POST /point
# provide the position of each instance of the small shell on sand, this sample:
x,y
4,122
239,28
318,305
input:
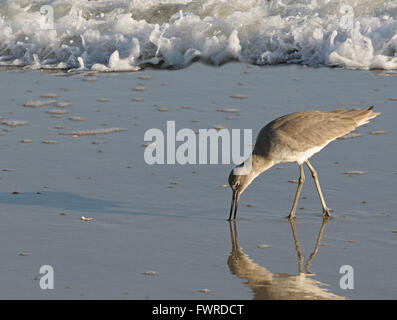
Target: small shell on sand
x,y
103,100
150,273
137,99
393,99
205,290
57,111
50,142
59,127
355,173
37,104
224,186
139,89
91,132
6,170
26,141
262,246
293,181
24,254
162,109
76,118
86,219
377,132
49,95
238,96
186,107
14,123
174,182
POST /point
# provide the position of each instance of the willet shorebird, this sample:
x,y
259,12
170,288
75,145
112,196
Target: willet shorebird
x,y
295,137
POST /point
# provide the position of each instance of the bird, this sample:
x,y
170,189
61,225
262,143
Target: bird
x,y
295,137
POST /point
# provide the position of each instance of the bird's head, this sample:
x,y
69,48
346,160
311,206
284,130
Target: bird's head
x,y
238,183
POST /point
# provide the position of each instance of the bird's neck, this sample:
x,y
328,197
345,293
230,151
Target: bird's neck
x,y
260,164
254,166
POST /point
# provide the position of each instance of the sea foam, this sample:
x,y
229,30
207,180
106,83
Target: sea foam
x,y
121,35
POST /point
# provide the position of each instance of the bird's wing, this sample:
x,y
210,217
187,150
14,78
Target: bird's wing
x,y
304,130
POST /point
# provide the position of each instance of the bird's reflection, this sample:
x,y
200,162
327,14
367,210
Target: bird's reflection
x,y
281,286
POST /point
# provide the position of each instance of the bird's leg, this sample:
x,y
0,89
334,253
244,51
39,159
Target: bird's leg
x,y
326,210
298,191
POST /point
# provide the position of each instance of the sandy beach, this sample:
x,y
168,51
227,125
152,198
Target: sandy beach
x,y
160,231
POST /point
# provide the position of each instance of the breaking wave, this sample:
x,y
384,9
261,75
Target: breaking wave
x,y
120,35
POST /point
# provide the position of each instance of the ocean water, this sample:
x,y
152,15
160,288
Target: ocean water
x,y
120,35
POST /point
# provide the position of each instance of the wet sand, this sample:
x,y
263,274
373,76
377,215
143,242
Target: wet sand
x,y
171,219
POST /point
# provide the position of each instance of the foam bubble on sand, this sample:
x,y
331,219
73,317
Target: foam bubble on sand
x,y
57,111
121,35
86,219
90,79
238,96
144,77
228,110
14,123
92,132
49,95
37,104
63,104
354,173
76,119
376,133
139,89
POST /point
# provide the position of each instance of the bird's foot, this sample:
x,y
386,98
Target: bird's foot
x,y
291,217
326,212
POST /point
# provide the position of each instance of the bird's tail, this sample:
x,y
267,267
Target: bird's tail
x,y
360,116
365,115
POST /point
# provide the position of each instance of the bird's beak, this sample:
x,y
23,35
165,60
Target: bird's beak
x,y
234,205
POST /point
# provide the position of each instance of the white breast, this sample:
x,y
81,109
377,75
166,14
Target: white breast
x,y
287,155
